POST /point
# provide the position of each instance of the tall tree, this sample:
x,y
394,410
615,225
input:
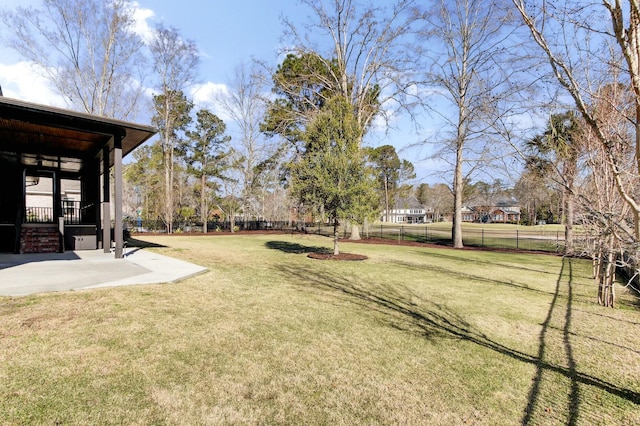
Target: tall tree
x,y
172,116
205,151
367,64
470,62
386,167
87,49
557,151
392,175
144,177
301,85
332,173
175,62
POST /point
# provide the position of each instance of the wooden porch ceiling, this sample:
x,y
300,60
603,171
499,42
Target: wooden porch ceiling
x,y
48,137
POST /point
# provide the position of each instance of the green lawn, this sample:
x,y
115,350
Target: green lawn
x,y
269,336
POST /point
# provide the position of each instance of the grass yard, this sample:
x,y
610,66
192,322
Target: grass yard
x,y
268,336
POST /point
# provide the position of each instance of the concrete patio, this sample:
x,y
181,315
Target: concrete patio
x,y
24,274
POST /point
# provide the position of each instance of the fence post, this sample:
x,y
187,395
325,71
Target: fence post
x,y
517,239
482,243
381,231
426,234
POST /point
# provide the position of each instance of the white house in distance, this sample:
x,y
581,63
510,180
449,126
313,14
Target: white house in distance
x,y
408,211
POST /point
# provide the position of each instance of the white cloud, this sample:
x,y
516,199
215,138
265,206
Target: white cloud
x,y
21,81
141,17
207,95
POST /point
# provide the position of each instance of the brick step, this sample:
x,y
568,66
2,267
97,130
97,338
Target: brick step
x,y
39,240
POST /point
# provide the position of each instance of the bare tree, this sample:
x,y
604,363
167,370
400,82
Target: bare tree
x,y
87,49
471,63
175,63
586,45
534,194
598,196
244,103
438,197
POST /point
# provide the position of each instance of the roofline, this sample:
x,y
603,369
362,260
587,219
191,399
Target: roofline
x,y
75,114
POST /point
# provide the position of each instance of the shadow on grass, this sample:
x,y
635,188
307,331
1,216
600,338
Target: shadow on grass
x,y
609,317
288,247
479,278
467,277
571,371
133,242
458,257
431,320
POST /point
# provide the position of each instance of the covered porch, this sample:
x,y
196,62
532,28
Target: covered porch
x,y
57,149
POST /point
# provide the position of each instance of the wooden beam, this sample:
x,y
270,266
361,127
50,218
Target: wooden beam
x,y
117,172
106,207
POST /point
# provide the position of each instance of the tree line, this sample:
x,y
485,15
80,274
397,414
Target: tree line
x,y
542,95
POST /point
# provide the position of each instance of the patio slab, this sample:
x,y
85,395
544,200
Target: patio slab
x,y
23,274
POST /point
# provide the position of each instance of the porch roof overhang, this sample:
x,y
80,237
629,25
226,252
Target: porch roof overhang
x,y
48,137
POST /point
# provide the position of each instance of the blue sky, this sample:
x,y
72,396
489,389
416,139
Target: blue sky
x,y
227,33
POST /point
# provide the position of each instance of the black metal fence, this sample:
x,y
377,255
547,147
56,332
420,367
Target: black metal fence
x,y
193,227
533,239
523,238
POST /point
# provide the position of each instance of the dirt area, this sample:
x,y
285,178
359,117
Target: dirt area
x,y
341,256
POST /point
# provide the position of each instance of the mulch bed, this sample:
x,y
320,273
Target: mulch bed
x,y
341,256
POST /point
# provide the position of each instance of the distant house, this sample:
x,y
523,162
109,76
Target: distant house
x,y
491,214
408,210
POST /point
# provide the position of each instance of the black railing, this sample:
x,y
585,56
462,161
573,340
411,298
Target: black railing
x,y
71,211
194,227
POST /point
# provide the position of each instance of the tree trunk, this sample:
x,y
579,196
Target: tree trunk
x,y
568,226
335,237
600,279
606,289
168,194
456,231
386,199
365,227
595,265
203,205
355,232
569,200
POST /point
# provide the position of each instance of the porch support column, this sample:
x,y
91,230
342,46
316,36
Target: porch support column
x,y
58,218
117,169
106,207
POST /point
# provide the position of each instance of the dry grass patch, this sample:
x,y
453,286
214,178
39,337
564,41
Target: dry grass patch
x,y
408,336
